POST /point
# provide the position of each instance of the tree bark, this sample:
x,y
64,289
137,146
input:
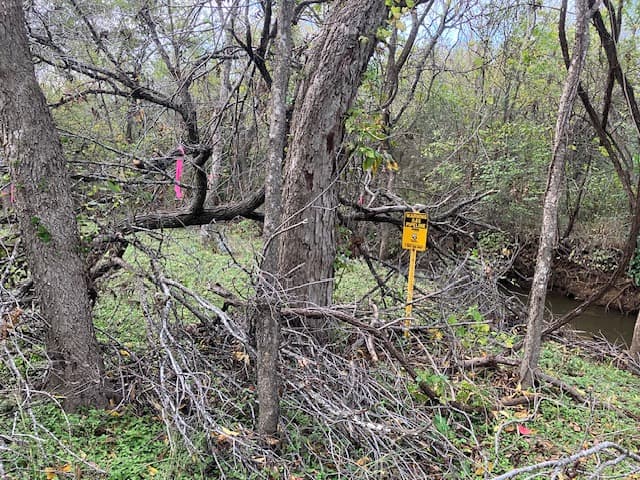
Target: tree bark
x,y
334,71
268,321
635,340
548,233
47,222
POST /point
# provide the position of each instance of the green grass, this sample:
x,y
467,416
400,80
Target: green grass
x,y
560,426
184,258
124,444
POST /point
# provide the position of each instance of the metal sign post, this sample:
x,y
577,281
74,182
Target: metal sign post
x,y
414,239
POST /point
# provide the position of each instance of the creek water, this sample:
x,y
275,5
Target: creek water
x,y
614,326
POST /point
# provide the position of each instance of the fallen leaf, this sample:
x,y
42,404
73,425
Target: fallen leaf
x,y
66,468
152,471
524,431
481,468
436,334
50,473
241,356
362,461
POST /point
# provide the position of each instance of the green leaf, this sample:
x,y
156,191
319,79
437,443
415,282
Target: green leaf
x,y
475,314
43,234
368,162
114,187
441,424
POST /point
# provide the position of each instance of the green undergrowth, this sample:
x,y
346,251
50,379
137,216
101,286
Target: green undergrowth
x,y
124,444
135,444
556,425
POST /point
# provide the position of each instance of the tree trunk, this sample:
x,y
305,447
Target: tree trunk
x,y
635,341
268,321
548,233
46,218
334,70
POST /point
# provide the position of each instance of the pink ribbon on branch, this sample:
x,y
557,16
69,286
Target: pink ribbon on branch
x,y
179,167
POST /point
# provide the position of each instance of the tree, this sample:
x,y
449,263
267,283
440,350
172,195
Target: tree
x,y
45,212
268,321
314,161
548,233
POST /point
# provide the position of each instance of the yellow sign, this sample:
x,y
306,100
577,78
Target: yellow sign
x,y
414,233
414,239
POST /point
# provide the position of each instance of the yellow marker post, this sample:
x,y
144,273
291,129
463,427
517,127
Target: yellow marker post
x,y
414,239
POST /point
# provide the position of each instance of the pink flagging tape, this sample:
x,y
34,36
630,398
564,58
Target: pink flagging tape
x,y
179,167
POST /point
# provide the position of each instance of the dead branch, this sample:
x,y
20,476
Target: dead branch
x,y
380,335
183,218
621,452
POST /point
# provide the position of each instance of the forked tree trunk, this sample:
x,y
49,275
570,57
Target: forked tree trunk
x,y
47,220
548,233
334,71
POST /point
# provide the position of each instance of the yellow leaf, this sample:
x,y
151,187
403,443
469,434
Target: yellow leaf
x,y
241,357
361,462
152,471
435,334
521,414
124,353
66,468
480,469
230,433
50,473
